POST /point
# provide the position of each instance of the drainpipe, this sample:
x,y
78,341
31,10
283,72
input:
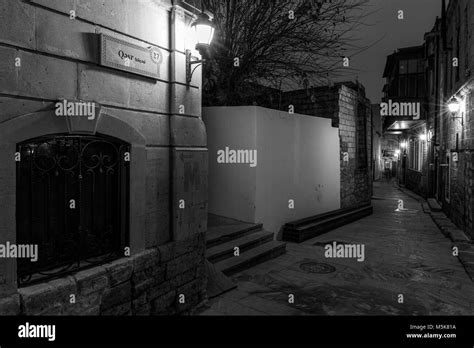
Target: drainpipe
x,y
437,118
372,160
172,91
443,23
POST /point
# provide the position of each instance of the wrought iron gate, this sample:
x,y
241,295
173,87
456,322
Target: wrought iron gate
x,y
72,201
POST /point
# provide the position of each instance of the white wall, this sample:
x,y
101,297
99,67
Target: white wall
x,y
296,160
232,187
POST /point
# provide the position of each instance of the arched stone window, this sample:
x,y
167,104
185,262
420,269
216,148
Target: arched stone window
x,y
43,124
72,202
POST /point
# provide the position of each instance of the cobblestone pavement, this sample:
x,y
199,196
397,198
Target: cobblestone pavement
x,y
405,254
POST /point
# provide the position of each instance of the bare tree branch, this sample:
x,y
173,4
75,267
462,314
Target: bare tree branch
x,y
294,43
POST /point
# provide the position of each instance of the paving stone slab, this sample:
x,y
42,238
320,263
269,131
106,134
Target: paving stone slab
x,y
414,259
466,257
457,235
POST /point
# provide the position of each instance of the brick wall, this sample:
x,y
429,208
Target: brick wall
x,y
59,59
317,101
148,283
355,139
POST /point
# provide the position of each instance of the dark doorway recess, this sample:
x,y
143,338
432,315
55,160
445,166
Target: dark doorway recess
x,y
72,201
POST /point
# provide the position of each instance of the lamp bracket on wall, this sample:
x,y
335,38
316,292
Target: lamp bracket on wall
x,y
189,64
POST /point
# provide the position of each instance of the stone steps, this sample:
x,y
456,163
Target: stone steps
x,y
304,229
434,205
255,245
225,250
220,234
426,208
251,257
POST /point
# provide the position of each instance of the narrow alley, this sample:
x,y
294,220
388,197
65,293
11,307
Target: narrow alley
x,y
409,269
202,166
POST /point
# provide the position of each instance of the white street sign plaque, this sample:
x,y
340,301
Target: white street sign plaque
x,y
119,54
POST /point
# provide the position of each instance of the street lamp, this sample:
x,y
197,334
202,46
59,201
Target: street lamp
x,y
204,30
423,137
453,105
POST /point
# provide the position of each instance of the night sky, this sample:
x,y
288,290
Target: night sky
x,y
419,16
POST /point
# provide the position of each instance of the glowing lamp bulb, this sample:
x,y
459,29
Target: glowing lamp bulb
x,y
453,105
204,30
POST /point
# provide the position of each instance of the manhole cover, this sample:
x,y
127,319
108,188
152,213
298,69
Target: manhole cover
x,y
317,267
330,242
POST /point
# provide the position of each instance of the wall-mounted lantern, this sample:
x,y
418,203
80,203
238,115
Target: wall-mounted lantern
x,y
423,137
454,106
204,30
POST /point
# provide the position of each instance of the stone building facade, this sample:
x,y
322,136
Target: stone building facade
x,y
350,111
451,54
405,85
443,141
50,51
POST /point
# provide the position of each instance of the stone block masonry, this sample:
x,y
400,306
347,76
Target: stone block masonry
x,y
355,141
450,181
50,51
149,283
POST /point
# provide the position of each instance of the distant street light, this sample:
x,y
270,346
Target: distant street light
x,y
204,30
423,137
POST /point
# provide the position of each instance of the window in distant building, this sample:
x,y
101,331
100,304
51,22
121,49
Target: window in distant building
x,y
403,67
420,84
412,66
402,84
421,66
411,85
411,80
447,178
416,155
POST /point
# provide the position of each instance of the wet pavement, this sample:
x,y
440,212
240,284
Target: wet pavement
x,y
409,269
